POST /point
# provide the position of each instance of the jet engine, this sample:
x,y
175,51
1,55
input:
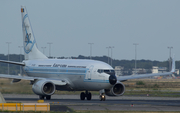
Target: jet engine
x,y
117,90
43,87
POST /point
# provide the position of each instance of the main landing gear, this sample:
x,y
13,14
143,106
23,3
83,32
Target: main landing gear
x,y
41,97
88,96
85,95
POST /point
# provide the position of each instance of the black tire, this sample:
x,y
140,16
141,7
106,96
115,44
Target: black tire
x,y
100,97
82,96
41,97
48,97
89,96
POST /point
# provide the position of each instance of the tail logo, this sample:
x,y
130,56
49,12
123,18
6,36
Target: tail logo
x,y
29,40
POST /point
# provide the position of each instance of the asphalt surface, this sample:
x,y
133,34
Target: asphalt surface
x,y
122,103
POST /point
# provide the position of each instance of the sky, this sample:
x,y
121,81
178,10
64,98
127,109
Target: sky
x,y
71,24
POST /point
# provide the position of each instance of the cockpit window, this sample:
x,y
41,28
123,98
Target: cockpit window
x,y
100,71
105,71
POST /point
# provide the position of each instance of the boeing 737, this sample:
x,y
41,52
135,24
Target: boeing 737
x,y
48,75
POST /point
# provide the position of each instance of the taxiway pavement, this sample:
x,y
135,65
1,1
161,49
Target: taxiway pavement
x,y
122,103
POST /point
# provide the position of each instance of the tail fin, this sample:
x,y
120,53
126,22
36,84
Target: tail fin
x,y
30,48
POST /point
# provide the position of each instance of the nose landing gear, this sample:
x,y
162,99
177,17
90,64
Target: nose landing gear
x,y
85,95
102,97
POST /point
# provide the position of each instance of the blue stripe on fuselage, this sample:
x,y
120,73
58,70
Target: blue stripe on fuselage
x,y
55,70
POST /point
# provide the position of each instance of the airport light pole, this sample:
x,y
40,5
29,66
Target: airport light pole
x,y
135,54
111,47
43,49
170,57
8,55
90,49
49,48
108,53
20,47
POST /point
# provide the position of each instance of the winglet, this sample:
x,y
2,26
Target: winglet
x,y
173,65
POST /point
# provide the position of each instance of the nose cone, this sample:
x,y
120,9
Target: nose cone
x,y
112,79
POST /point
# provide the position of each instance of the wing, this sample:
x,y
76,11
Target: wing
x,y
17,78
124,78
55,81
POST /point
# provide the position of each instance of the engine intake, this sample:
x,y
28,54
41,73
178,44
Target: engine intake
x,y
43,87
117,90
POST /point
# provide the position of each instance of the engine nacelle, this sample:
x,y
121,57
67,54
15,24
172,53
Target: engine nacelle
x,y
16,80
43,87
117,90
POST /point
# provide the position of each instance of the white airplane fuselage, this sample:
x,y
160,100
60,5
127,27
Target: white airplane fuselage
x,y
80,74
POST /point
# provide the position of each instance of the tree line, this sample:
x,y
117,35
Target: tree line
x,y
127,64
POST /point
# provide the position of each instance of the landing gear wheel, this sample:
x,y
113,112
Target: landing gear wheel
x,y
85,95
82,96
102,97
48,97
89,96
41,97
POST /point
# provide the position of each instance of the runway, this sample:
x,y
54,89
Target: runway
x,y
122,103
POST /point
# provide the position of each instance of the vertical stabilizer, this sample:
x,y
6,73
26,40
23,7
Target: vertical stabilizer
x,y
30,48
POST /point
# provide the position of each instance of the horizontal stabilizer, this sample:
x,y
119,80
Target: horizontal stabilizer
x,y
11,62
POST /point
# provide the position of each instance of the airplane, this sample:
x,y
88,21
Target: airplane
x,y
48,75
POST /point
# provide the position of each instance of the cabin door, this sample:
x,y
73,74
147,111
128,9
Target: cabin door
x,y
89,73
